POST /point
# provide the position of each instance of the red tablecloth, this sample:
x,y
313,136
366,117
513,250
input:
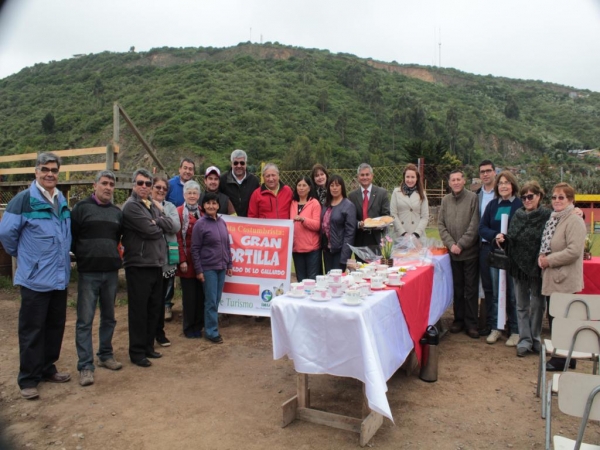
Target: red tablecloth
x,y
415,300
591,276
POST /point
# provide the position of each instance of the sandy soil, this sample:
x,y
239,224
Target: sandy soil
x,y
207,396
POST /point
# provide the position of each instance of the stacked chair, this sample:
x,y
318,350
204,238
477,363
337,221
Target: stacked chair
x,y
577,397
570,312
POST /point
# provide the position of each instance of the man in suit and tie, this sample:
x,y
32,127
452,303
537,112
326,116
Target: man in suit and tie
x,y
370,201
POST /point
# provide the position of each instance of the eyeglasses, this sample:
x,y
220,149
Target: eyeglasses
x,y
54,170
486,171
160,188
528,197
558,197
239,163
504,183
144,183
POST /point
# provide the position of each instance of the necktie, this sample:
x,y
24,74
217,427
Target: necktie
x,y
365,204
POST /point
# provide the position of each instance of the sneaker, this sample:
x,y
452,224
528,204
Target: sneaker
x,y
493,337
513,340
86,377
163,341
168,313
110,363
521,352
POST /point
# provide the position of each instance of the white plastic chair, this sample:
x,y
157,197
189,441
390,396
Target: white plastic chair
x,y
576,306
576,397
581,336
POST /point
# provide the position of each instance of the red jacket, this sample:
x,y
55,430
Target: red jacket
x,y
187,255
264,204
307,234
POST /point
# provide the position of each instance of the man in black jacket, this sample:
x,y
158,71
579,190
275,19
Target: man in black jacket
x,y
96,230
238,184
144,227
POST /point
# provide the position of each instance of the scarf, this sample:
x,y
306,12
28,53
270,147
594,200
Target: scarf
x,y
524,237
408,190
550,228
322,194
187,210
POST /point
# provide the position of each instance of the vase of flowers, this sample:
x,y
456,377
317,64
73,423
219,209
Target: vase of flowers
x,y
386,246
587,246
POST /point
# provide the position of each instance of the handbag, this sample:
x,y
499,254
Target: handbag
x,y
498,259
173,252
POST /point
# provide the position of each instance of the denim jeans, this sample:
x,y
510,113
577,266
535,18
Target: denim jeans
x,y
511,304
307,265
169,291
94,287
530,312
213,288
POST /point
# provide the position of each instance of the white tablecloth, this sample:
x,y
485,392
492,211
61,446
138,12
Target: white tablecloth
x,y
443,289
367,342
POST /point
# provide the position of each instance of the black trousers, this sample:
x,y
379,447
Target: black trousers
x,y
42,320
192,299
465,277
145,298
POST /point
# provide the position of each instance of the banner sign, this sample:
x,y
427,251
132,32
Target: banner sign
x,y
261,251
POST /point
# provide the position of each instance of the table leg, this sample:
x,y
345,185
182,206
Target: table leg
x,y
302,389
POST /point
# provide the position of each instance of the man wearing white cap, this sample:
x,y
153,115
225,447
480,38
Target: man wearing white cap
x,y
211,182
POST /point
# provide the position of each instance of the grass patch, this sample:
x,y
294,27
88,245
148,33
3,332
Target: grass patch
x,y
6,283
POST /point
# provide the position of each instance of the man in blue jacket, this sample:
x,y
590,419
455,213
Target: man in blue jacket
x,y
36,229
186,173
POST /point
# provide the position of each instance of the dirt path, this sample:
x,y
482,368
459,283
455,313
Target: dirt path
x,y
206,396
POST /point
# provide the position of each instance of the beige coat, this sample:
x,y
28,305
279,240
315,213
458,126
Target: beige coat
x,y
410,214
565,271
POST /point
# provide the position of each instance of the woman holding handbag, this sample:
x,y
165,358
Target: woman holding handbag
x,y
524,238
506,202
192,291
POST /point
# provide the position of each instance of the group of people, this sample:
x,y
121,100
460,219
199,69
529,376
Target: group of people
x,y
544,247
169,228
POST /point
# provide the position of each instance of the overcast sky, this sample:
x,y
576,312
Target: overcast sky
x,y
549,40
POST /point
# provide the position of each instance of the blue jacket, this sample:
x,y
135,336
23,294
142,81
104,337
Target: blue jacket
x,y
175,194
489,226
40,239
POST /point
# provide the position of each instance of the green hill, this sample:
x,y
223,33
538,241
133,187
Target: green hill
x,y
293,106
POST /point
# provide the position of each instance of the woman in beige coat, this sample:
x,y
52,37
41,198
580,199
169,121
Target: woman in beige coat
x,y
561,252
409,206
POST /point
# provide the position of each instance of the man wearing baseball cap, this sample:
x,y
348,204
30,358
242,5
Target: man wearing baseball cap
x,y
211,181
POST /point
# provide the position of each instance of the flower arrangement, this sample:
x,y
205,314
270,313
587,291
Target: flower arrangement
x,y
587,246
387,244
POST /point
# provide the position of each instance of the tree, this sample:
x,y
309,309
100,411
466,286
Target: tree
x,y
299,156
452,128
324,152
417,120
340,126
323,101
48,123
511,110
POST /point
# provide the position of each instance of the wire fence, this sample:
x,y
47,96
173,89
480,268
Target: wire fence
x,y
583,177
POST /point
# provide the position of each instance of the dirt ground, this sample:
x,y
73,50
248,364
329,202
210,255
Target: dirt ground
x,y
207,396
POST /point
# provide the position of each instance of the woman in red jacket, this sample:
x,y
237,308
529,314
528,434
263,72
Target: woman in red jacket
x,y
272,199
192,292
306,213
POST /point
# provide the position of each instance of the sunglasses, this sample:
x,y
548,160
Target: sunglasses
x,y
558,197
144,183
160,188
528,197
54,170
239,163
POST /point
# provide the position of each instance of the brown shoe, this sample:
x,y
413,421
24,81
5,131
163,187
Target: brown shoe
x,y
58,378
473,333
30,393
457,327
